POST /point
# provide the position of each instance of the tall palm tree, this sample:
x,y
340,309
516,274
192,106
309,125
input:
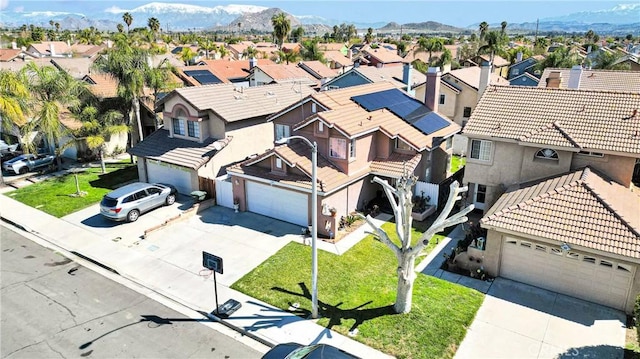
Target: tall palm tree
x,y
250,52
503,28
154,25
493,43
311,51
97,128
430,45
209,47
483,27
606,60
120,28
52,90
128,65
562,57
281,27
187,55
57,26
289,56
51,22
223,51
128,19
14,96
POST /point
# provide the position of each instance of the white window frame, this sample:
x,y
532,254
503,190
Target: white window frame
x,y
547,154
483,151
320,126
314,107
401,145
279,163
352,148
338,148
282,131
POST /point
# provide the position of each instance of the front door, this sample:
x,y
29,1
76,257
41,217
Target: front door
x,y
479,196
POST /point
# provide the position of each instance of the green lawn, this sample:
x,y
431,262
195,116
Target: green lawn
x,y
53,195
457,163
358,289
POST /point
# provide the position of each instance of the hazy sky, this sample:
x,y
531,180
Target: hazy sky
x,y
452,12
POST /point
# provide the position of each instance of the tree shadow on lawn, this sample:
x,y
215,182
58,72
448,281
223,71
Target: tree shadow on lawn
x,y
114,179
336,314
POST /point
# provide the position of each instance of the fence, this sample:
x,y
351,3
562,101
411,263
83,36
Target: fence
x,y
426,189
208,185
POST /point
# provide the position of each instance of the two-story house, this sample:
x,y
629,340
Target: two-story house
x,y
361,132
552,170
209,127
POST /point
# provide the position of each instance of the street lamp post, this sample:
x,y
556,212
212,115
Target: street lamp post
x,y
314,220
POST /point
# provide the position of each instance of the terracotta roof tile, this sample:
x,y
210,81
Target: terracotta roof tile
x,y
232,69
577,119
102,85
319,69
383,55
471,76
581,208
9,54
391,74
338,57
605,80
284,72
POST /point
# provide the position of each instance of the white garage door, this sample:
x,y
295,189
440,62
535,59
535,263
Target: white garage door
x,y
175,175
278,203
585,276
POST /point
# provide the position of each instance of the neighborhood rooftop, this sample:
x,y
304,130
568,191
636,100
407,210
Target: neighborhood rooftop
x,y
581,208
584,120
605,80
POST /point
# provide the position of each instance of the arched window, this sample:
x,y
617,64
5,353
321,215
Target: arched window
x,y
547,154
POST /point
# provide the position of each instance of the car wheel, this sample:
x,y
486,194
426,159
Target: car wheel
x,y
171,199
133,215
23,170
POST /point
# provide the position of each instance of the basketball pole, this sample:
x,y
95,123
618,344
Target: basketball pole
x,y
215,290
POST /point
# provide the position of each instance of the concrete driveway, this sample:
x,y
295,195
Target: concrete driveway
x,y
243,240
520,321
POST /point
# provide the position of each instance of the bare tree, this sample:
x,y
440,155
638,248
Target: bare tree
x,y
406,253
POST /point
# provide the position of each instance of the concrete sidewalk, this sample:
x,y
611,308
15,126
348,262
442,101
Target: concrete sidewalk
x,y
260,320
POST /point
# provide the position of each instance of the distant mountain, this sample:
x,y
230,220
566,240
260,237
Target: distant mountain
x,y
423,26
620,14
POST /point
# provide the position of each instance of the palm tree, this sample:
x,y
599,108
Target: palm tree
x,y
289,56
98,128
281,27
120,28
311,51
52,90
159,80
493,43
57,26
445,58
187,55
250,52
368,37
51,22
562,57
128,65
503,28
209,47
223,51
154,25
128,19
606,60
14,95
429,45
484,27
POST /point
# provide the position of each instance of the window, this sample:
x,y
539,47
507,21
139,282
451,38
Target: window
x,y
442,97
541,248
481,193
193,128
338,148
154,190
481,150
515,72
278,163
606,263
282,131
314,107
467,112
352,149
592,154
525,244
320,126
547,154
449,143
589,259
178,127
401,145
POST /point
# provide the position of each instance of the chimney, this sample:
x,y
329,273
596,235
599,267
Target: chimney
x,y
519,56
432,91
252,63
52,50
574,77
14,45
554,79
485,77
406,75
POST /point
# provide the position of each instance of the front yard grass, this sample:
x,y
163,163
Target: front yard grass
x,y
54,195
358,289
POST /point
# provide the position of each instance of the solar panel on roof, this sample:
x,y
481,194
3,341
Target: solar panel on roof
x,y
430,123
203,77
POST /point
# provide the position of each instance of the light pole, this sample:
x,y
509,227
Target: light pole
x,y
314,220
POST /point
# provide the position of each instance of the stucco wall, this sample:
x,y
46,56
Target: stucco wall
x,y
535,168
618,168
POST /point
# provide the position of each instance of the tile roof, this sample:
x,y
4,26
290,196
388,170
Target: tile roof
x,y
391,74
338,57
318,69
471,76
9,54
581,208
330,46
298,155
498,61
284,72
232,69
606,80
102,85
576,119
77,67
159,146
59,47
353,120
235,105
384,55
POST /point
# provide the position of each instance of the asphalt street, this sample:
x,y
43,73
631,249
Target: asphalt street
x,y
53,307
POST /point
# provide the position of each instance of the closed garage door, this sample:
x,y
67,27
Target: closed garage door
x,y
166,173
278,203
585,276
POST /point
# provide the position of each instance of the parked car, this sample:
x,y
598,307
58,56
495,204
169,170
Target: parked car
x,y
128,202
299,351
28,162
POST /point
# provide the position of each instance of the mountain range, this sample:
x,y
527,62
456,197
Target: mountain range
x,y
181,17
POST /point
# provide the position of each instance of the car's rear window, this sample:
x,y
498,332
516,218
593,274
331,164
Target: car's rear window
x,y
109,202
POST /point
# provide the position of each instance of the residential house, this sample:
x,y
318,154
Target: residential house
x,y
378,57
50,49
520,134
318,70
361,132
233,71
631,61
520,67
577,77
279,73
403,77
500,65
209,127
526,79
14,55
338,61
